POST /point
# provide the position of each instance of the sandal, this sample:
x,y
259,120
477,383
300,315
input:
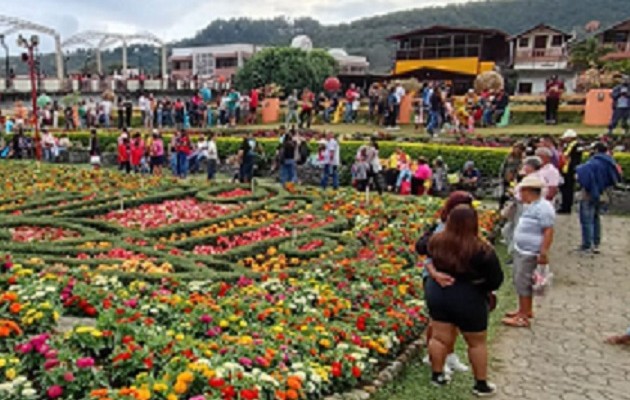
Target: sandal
x,y
517,321
513,314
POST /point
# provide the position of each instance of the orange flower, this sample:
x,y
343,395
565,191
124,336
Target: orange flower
x,y
98,393
294,382
15,308
9,296
292,394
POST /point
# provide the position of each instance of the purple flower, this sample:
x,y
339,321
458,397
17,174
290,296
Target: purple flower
x,y
51,354
205,319
50,364
246,362
24,348
54,391
132,303
43,349
68,377
85,362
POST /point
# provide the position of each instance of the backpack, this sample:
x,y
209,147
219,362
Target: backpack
x,y
304,151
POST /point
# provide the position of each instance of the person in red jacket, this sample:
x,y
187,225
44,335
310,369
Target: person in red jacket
x,y
184,148
137,151
123,155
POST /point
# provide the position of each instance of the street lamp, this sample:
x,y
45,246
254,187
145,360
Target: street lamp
x,y
6,62
29,58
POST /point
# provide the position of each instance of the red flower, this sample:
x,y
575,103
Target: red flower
x,y
249,394
336,369
216,382
361,323
122,357
228,393
127,339
148,362
356,372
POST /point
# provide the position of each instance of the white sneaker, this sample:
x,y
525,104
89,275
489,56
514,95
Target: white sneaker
x,y
448,371
453,362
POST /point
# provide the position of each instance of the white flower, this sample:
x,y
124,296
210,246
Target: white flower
x,y
301,375
19,380
268,379
343,346
310,387
7,387
29,393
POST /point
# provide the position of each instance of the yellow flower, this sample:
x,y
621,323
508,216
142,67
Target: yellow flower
x,y
180,387
84,329
243,324
39,315
171,396
324,343
55,315
97,333
224,323
143,394
233,318
179,337
3,362
159,387
186,377
10,374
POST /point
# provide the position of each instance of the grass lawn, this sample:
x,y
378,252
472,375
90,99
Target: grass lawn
x,y
413,383
408,130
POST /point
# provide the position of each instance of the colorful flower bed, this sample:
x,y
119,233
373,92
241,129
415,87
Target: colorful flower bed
x,y
169,212
38,233
284,296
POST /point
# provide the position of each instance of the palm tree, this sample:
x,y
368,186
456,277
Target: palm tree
x,y
589,53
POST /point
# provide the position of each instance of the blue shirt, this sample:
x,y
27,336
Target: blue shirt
x,y
536,217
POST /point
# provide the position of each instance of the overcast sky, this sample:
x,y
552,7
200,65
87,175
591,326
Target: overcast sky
x,y
172,19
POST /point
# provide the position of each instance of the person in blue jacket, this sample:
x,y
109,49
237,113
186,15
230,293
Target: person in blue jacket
x,y
595,176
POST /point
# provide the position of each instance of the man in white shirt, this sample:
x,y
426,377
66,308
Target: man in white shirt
x,y
107,110
331,162
143,104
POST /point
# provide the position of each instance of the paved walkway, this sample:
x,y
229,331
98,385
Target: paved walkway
x,y
563,355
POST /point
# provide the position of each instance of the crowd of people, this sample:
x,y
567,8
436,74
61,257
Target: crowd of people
x,y
462,271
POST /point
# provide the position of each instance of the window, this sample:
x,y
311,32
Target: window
x,y
228,62
540,42
525,87
416,43
204,64
616,36
557,41
523,42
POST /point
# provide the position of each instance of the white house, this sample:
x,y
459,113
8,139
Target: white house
x,y
537,54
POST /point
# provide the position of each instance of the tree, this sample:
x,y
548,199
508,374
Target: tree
x,y
288,67
589,53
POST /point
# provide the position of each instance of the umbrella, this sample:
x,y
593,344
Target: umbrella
x,y
43,100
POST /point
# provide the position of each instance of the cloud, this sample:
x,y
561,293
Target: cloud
x,y
173,20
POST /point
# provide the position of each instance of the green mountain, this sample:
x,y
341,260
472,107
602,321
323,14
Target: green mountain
x,y
367,36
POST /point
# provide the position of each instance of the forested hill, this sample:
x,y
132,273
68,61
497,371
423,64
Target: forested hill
x,y
368,36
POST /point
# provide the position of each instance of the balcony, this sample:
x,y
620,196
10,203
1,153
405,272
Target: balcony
x,y
620,47
551,54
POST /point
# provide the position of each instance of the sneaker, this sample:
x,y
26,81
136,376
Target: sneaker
x,y
440,380
454,363
596,250
486,390
426,360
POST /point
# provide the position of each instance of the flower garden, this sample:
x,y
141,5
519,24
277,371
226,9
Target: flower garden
x,y
121,287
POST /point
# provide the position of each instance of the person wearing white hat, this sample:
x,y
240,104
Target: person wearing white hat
x,y
570,158
532,240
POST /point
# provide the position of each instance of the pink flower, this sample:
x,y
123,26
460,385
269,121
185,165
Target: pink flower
x,y
200,397
50,364
43,349
133,303
24,348
54,391
205,319
51,354
246,362
68,377
85,362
